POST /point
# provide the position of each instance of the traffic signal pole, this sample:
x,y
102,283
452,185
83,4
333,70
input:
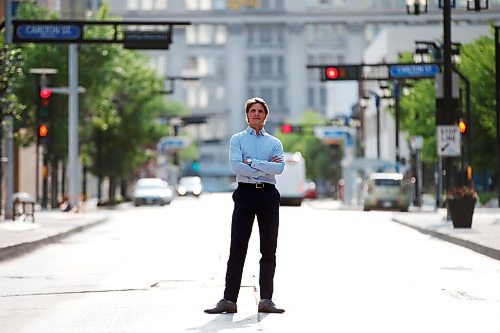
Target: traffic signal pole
x,y
497,56
447,82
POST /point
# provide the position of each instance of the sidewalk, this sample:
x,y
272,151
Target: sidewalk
x,y
18,237
482,237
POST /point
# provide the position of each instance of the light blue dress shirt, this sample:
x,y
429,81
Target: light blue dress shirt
x,y
261,149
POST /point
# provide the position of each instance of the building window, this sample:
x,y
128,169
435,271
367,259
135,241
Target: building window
x,y
251,66
267,94
219,94
205,33
322,96
198,4
281,97
220,4
310,96
132,4
281,66
265,35
147,5
266,68
161,4
220,35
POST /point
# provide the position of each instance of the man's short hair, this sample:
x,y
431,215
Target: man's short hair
x,y
255,100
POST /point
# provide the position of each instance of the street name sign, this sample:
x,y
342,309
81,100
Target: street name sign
x,y
334,134
47,32
173,142
147,40
413,70
448,141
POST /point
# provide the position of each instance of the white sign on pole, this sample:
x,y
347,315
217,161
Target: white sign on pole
x,y
417,142
448,140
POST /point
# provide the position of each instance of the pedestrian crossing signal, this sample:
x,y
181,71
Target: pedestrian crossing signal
x,y
462,126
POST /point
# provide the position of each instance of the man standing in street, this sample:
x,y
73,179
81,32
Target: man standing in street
x,y
255,157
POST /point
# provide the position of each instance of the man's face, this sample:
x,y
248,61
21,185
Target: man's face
x,y
256,115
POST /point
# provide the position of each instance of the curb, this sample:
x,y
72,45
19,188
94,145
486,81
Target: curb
x,y
17,250
487,251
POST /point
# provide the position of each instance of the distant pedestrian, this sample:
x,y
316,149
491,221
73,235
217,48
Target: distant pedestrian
x,y
255,157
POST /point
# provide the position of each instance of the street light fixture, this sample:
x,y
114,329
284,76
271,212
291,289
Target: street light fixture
x,y
416,7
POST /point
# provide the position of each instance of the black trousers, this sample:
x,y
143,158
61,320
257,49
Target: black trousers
x,y
249,203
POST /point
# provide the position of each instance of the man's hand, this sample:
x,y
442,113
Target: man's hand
x,y
276,159
247,162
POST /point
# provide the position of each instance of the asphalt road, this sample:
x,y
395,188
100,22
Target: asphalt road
x,y
154,269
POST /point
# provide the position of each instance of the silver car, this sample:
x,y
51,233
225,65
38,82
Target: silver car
x,y
151,191
386,191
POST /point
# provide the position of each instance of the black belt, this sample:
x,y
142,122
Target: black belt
x,y
256,185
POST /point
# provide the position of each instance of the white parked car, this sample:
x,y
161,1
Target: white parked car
x,y
190,185
150,191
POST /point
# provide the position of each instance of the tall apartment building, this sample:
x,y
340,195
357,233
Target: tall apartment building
x,y
244,48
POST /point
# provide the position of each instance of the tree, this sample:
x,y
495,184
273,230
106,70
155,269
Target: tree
x,y
118,111
316,153
418,109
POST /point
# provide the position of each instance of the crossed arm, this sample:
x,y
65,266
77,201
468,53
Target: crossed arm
x,y
256,168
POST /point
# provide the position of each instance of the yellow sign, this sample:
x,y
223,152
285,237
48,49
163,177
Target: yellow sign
x,y
237,4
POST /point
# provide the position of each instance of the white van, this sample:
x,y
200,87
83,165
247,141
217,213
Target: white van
x,y
292,182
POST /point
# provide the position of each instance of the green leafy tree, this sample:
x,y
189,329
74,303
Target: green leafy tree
x,y
418,110
118,111
316,153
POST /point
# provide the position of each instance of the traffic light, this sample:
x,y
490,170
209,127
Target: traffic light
x,y
43,130
195,165
43,113
288,128
462,126
341,73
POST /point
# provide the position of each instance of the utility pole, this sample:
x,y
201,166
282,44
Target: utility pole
x,y
448,115
497,56
9,120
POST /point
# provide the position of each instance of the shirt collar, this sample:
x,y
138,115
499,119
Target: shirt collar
x,y
252,131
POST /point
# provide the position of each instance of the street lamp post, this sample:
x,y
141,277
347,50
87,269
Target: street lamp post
x,y
394,93
377,107
497,56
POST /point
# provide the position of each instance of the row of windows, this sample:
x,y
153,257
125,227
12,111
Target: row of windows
x,y
147,5
265,66
205,65
206,5
198,96
206,34
274,96
266,35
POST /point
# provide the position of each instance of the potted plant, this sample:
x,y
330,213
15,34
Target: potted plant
x,y
460,202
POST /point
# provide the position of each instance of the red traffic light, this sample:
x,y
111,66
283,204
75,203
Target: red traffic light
x,y
286,128
45,93
43,130
332,73
462,126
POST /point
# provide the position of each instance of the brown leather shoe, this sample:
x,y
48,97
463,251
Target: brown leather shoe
x,y
223,306
267,306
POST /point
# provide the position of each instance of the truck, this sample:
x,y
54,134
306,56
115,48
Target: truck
x,y
291,183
